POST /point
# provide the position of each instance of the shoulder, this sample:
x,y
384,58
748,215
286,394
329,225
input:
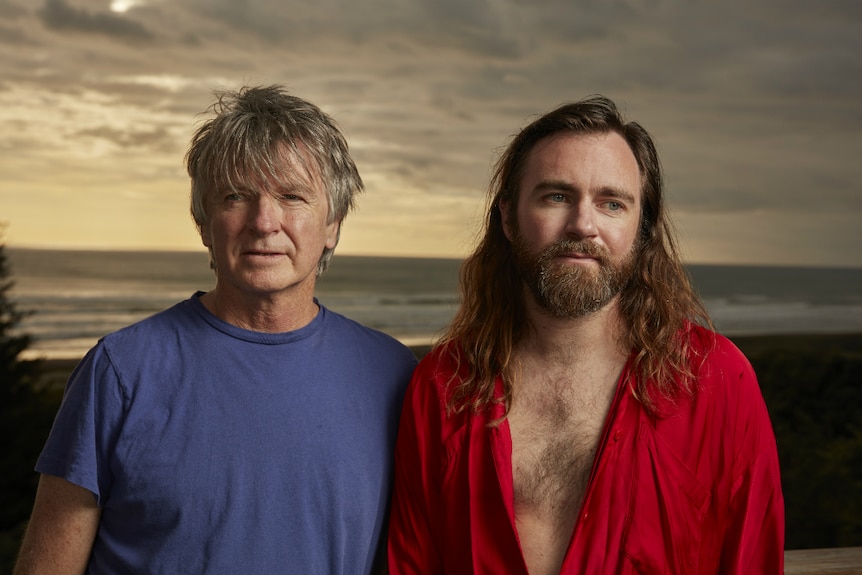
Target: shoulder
x,y
154,336
727,392
146,346
172,319
425,419
719,364
435,377
726,412
440,367
368,340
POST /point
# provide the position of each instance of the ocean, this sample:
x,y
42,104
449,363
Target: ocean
x,y
79,296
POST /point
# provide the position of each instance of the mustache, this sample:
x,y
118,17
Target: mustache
x,y
564,247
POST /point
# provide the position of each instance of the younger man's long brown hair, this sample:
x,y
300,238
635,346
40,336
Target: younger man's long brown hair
x,y
656,305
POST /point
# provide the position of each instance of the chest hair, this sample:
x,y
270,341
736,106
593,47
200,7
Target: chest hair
x,y
555,422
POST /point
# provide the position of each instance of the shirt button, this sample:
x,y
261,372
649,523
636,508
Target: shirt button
x,y
618,434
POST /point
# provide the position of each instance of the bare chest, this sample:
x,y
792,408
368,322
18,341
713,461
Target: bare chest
x,y
554,443
555,428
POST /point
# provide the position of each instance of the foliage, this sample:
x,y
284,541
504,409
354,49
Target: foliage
x,y
25,417
814,396
17,376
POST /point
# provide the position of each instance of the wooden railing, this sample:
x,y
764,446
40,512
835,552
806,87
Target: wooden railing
x,y
837,561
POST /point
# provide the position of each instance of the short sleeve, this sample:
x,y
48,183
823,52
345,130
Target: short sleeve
x,y
86,426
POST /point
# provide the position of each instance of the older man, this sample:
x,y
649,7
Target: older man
x,y
247,429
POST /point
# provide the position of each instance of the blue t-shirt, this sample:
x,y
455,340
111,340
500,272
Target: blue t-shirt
x,y
213,449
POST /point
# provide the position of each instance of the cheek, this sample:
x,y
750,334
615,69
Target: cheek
x,y
540,226
624,240
220,234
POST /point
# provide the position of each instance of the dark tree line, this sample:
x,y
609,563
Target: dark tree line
x,y
813,390
25,418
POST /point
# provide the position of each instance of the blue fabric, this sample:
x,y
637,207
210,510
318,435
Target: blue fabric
x,y
212,449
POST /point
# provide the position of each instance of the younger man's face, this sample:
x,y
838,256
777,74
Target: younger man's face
x,y
574,230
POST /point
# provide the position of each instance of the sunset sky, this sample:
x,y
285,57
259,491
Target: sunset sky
x,y
756,107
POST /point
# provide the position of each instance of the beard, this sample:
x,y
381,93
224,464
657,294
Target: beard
x,y
572,291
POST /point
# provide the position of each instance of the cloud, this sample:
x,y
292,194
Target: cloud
x,y
60,15
12,35
755,107
9,9
158,139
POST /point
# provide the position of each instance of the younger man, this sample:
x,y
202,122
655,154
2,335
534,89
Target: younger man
x,y
576,418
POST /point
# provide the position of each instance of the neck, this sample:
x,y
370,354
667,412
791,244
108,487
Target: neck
x,y
555,339
267,313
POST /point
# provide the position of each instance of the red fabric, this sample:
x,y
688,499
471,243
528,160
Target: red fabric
x,y
696,490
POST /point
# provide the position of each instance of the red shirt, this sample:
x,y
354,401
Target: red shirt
x,y
696,490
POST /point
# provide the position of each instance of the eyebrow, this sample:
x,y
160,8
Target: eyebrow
x,y
604,191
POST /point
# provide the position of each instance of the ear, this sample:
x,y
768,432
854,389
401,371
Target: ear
x,y
205,236
333,231
504,206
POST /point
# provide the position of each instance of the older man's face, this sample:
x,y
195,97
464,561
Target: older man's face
x,y
267,240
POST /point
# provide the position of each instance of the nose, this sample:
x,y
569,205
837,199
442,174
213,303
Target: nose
x,y
581,222
265,215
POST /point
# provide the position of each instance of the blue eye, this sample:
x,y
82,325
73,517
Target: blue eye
x,y
614,206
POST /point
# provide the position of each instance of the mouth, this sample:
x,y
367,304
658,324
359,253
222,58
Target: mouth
x,y
578,258
266,254
571,261
577,252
